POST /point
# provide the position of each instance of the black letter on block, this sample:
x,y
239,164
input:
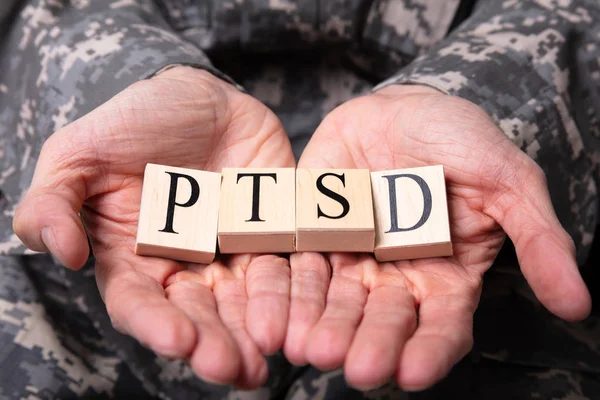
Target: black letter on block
x,y
333,195
256,193
394,207
173,202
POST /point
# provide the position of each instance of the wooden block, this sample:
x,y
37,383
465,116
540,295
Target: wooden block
x,y
411,214
178,214
334,210
257,212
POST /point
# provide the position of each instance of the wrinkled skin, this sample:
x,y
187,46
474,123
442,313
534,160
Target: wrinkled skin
x,y
182,117
332,310
413,320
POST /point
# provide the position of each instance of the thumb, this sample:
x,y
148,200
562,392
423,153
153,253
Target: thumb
x,y
545,250
47,219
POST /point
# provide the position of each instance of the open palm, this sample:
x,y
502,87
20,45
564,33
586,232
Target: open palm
x,y
92,171
413,319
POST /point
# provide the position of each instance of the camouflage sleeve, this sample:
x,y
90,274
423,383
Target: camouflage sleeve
x,y
61,59
533,65
405,28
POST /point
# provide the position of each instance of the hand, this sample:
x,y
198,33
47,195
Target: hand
x,y
413,319
208,314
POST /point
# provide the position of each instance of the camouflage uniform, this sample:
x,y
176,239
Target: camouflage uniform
x,y
533,65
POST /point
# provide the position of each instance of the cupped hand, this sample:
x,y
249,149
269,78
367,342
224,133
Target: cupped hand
x,y
413,320
89,179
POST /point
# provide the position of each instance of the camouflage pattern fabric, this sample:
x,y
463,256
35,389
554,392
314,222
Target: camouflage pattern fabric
x,y
532,64
534,67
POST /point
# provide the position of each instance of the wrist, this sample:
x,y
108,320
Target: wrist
x,y
407,89
195,75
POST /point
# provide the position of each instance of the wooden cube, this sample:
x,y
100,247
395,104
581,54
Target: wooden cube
x,y
257,212
178,214
334,210
411,214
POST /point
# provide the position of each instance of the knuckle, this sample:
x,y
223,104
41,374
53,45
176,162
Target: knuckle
x,y
68,150
116,325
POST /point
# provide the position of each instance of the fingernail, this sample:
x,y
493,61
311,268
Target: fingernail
x,y
48,239
263,374
50,244
116,326
410,389
167,356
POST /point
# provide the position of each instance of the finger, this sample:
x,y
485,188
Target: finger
x,y
137,305
545,251
310,280
268,289
47,219
215,357
330,339
232,302
443,337
388,322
